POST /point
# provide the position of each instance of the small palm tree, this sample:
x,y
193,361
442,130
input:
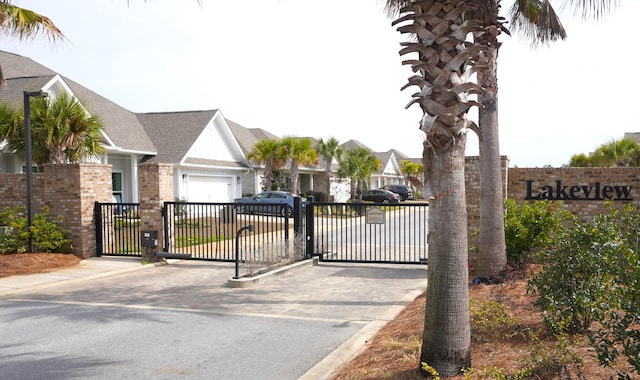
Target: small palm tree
x,y
623,152
62,130
299,151
20,23
357,164
329,150
267,152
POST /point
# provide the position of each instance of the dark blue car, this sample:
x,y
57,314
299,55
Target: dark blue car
x,y
268,202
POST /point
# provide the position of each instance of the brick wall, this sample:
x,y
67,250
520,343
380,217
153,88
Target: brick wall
x,y
70,191
156,186
472,183
581,190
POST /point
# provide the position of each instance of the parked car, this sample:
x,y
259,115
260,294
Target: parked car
x,y
380,196
403,191
268,202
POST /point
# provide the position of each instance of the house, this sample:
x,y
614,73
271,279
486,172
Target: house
x,y
208,152
389,172
124,137
208,163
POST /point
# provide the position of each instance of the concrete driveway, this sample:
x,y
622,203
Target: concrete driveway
x,y
182,321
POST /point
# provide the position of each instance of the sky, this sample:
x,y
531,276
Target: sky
x,y
331,69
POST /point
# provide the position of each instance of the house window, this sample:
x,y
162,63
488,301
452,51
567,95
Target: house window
x,y
116,187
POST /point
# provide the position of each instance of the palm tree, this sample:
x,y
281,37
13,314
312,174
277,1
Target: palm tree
x,y
329,150
624,152
299,151
410,168
580,161
63,131
267,152
445,62
16,22
357,164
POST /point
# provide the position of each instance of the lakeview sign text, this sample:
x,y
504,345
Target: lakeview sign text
x,y
592,192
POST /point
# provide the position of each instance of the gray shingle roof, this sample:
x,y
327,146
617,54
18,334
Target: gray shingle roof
x,y
120,124
247,138
12,91
351,144
174,132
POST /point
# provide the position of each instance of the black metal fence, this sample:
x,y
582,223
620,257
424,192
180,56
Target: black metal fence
x,y
117,229
208,231
332,231
364,232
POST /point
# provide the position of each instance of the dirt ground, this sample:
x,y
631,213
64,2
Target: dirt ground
x,y
29,263
395,351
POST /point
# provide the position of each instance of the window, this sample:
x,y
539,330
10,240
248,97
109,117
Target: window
x,y
116,187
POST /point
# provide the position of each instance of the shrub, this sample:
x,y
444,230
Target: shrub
x,y
47,235
490,321
619,332
574,283
530,227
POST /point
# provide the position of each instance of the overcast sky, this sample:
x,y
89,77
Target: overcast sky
x,y
331,69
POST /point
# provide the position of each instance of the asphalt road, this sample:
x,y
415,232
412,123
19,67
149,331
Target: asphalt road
x,y
181,321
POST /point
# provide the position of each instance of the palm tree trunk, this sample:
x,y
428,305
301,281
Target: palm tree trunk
x,y
446,342
492,257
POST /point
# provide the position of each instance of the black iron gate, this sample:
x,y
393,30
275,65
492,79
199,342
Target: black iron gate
x,y
117,229
344,232
368,233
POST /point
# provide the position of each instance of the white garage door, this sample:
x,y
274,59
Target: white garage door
x,y
209,189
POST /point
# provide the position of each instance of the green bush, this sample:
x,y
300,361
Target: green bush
x,y
530,227
490,321
47,235
575,280
619,332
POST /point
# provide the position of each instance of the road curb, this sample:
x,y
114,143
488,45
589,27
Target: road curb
x,y
358,342
247,282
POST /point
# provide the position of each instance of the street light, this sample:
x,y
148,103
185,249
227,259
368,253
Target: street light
x,y
29,165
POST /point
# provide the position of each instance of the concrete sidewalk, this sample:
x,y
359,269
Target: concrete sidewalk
x,y
100,269
87,269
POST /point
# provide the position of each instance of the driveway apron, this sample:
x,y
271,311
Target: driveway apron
x,y
183,321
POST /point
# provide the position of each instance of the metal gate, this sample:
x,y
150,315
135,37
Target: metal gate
x,y
368,233
117,229
343,232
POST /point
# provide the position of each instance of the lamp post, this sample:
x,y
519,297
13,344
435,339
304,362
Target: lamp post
x,y
28,164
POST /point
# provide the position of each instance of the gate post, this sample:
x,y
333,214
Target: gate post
x,y
97,211
156,187
310,227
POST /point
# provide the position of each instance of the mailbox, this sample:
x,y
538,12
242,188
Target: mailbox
x,y
149,238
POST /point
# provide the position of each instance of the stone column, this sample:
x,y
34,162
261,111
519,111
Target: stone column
x,y
156,187
70,191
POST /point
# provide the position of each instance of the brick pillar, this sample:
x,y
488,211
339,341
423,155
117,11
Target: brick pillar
x,y
156,187
70,191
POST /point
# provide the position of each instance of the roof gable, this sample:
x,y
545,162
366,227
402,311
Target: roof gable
x,y
193,137
123,131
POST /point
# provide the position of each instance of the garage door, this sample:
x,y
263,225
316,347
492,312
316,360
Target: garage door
x,y
209,189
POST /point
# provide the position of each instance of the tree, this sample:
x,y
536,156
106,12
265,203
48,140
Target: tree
x,y
267,152
622,153
410,168
16,22
298,151
357,164
62,130
445,62
328,150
